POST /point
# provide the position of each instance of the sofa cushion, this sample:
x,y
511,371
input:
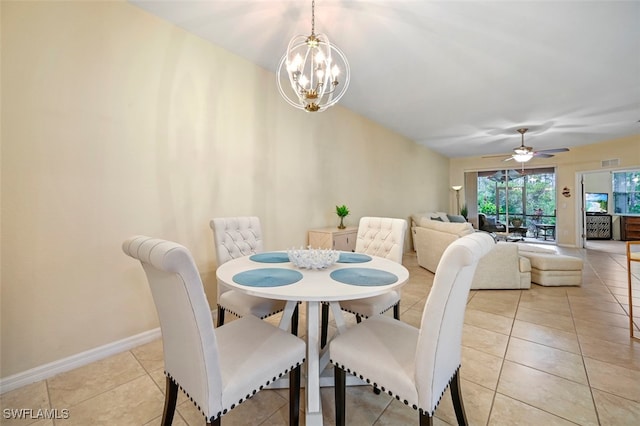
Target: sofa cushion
x,y
456,218
417,218
556,278
458,229
533,249
524,264
553,262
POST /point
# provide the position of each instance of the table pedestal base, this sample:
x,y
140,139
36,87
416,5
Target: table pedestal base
x,y
317,360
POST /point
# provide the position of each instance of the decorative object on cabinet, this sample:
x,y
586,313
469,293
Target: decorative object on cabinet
x,y
630,228
332,238
342,212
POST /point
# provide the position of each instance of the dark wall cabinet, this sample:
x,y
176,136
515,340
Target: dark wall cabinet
x,y
599,227
630,228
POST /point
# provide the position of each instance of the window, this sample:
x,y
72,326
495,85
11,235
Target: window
x,y
626,192
529,195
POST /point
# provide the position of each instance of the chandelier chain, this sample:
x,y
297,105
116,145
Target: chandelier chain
x,y
313,17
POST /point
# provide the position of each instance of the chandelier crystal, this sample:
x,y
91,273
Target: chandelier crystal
x,y
313,74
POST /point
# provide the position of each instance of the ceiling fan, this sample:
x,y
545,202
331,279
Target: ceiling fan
x,y
523,153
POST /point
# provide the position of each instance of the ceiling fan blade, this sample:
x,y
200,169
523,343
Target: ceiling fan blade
x,y
553,150
496,156
508,158
542,155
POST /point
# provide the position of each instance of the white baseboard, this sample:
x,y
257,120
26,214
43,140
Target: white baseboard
x,y
74,361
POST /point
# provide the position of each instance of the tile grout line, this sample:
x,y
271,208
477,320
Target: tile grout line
x,y
504,357
584,364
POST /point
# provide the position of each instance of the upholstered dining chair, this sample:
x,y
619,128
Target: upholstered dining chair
x,y
377,236
236,237
415,365
217,368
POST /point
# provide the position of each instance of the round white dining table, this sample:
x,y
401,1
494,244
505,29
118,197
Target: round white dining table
x,y
272,275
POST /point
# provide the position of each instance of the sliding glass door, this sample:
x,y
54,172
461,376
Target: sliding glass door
x,y
519,198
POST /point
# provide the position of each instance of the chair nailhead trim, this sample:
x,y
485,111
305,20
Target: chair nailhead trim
x,y
382,389
226,410
362,315
240,316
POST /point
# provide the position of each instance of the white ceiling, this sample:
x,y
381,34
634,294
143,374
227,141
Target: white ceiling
x,y
456,76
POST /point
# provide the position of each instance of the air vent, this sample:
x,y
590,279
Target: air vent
x,y
611,163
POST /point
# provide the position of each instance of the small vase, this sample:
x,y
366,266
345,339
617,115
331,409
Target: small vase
x,y
341,226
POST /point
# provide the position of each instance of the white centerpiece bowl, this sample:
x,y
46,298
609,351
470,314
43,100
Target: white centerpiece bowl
x,y
313,258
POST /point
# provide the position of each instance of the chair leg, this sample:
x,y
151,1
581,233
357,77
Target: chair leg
x,y
396,311
340,382
294,322
426,420
170,398
220,316
456,396
294,396
324,327
216,422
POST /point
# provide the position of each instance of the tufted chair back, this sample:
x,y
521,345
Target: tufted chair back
x,y
219,368
381,236
440,336
236,237
188,337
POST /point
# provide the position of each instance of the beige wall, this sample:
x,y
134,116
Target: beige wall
x,y
116,123
569,166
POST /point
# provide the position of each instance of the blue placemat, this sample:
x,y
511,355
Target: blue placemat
x,y
364,276
267,277
270,257
353,258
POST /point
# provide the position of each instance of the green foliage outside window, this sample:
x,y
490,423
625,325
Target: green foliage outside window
x,y
531,195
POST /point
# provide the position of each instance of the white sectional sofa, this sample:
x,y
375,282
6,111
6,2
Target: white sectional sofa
x,y
432,236
551,269
502,268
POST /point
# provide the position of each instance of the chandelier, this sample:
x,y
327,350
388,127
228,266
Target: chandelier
x,y
310,72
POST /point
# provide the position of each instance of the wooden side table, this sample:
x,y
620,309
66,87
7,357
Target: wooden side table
x,y
334,238
632,256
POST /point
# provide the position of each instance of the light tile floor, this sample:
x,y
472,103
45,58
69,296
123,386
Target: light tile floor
x,y
555,356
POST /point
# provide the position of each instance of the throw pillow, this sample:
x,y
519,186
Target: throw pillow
x,y
437,218
456,218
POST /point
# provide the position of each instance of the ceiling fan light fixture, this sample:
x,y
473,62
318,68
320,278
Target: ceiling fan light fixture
x,y
523,158
313,74
522,154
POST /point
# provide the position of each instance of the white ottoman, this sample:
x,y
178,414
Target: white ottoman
x,y
554,269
